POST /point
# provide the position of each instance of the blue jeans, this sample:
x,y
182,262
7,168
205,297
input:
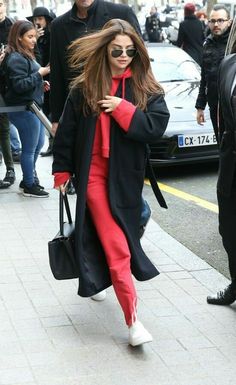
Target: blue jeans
x,y
15,141
32,134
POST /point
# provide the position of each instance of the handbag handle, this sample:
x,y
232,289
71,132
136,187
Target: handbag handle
x,y
63,201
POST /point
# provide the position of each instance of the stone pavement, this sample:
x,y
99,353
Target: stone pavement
x,y
50,336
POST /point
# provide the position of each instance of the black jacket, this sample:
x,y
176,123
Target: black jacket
x,y
68,27
213,54
227,126
191,37
72,152
5,26
24,83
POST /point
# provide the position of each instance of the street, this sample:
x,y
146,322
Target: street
x,y
191,218
50,335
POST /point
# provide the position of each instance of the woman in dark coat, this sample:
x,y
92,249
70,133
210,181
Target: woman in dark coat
x,y
114,108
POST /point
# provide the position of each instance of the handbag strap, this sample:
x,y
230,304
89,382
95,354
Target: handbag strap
x,y
63,201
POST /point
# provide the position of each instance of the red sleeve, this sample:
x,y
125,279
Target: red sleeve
x,y
123,114
60,178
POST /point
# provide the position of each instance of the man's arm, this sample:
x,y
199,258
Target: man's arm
x,y
202,97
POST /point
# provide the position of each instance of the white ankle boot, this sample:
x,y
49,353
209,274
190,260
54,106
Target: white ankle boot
x,y
99,296
138,335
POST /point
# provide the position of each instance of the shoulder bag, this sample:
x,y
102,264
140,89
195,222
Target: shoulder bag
x,y
61,248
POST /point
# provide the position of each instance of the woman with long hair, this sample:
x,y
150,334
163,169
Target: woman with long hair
x,y
114,108
24,77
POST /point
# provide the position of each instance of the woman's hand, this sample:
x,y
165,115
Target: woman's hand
x,y
46,86
110,103
44,70
63,187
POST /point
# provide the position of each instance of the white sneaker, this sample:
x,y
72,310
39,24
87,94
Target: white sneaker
x,y
138,335
99,296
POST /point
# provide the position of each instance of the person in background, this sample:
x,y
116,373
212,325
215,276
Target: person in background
x,y
101,137
24,78
202,16
42,19
213,53
191,34
226,186
9,179
152,26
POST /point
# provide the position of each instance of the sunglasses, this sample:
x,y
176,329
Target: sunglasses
x,y
131,52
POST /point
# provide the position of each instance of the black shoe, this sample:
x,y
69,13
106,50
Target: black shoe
x,y
4,184
47,153
70,188
10,176
36,181
225,297
35,192
16,157
22,185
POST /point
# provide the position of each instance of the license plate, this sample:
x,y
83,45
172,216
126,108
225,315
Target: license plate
x,y
196,140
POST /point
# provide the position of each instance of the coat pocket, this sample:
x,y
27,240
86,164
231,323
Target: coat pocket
x,y
129,188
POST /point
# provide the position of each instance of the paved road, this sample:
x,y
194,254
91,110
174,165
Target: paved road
x,y
192,215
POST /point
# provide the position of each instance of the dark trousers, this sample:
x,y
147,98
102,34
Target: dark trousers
x,y
5,141
213,115
227,227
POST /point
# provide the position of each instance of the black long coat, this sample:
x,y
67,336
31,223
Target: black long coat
x,y
68,27
227,126
72,152
191,37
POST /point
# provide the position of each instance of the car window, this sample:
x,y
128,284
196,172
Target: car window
x,y
171,65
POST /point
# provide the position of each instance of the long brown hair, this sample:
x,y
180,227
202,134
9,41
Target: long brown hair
x,y
17,30
88,58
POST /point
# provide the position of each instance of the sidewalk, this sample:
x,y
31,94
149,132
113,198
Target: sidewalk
x,y
50,336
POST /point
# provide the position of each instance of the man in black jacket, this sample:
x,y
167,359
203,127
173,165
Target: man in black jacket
x,y
213,53
226,186
84,17
191,35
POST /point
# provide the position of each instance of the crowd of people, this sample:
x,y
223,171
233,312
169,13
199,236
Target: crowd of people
x,y
100,129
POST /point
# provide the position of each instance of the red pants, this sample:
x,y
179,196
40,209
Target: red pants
x,y
111,237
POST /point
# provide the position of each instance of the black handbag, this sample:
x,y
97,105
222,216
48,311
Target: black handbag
x,y
61,249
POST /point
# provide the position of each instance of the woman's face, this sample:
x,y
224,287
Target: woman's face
x,y
122,47
40,20
28,40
